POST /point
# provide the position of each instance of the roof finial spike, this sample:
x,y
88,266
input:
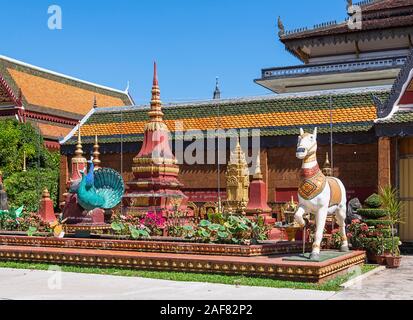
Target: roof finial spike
x,y
156,113
96,154
95,102
217,92
155,74
79,150
281,29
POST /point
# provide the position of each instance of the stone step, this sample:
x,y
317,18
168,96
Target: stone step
x,y
264,266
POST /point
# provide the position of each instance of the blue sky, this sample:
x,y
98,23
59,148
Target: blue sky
x,y
193,41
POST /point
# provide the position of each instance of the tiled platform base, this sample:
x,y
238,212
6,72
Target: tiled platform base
x,y
157,246
263,266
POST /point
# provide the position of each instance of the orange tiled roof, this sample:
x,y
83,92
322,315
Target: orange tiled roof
x,y
353,110
52,131
57,94
275,119
51,94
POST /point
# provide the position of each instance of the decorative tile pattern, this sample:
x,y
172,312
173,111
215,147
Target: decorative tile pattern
x,y
275,116
157,246
51,94
271,266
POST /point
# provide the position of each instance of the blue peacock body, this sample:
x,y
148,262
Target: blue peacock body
x,y
101,189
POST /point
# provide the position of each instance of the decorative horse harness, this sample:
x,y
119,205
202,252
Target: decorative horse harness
x,y
313,182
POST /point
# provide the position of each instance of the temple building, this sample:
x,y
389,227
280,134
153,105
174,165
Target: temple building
x,y
346,54
53,102
355,85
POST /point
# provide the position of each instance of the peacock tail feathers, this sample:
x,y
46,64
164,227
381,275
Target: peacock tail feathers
x,y
109,185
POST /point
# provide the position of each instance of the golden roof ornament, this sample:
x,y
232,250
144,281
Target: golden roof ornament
x,y
45,194
96,154
79,150
237,177
327,170
156,114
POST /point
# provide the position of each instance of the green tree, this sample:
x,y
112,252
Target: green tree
x,y
25,188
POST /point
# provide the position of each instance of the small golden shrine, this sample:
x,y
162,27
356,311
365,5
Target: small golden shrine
x,y
288,212
327,169
238,182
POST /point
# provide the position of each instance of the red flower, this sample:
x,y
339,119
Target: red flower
x,y
364,227
349,235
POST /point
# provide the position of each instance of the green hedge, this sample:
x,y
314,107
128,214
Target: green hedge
x,y
42,166
372,213
373,201
375,223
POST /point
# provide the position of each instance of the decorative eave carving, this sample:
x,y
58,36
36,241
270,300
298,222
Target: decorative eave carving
x,y
385,108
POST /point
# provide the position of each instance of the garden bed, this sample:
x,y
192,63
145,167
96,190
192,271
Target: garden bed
x,y
265,266
161,246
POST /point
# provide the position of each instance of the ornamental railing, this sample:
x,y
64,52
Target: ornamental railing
x,y
334,67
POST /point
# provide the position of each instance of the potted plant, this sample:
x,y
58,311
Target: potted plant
x,y
381,251
393,205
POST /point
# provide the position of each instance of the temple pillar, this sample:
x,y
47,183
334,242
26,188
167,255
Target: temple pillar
x,y
258,192
384,162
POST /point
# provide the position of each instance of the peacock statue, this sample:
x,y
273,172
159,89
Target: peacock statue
x,y
100,189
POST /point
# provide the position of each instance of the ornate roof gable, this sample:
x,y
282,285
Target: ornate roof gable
x,y
401,93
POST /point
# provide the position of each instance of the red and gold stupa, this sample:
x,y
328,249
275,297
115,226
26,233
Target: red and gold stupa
x,y
155,187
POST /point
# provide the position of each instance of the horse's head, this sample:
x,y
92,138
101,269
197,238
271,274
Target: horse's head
x,y
307,144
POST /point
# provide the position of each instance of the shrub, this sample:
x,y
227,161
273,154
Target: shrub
x,y
372,213
374,201
378,223
25,188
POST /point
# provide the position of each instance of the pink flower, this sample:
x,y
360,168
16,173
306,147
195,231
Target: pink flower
x,y
355,221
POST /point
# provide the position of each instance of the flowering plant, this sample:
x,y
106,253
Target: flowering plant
x,y
21,220
357,233
155,222
129,225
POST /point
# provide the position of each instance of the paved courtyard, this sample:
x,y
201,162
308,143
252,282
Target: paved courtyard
x,y
28,284
386,285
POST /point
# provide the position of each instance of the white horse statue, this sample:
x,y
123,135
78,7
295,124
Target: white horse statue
x,y
319,194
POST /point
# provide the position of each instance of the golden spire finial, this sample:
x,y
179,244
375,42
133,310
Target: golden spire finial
x,y
79,150
96,154
156,113
45,193
327,170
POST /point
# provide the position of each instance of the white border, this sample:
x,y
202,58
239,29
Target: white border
x,y
81,123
